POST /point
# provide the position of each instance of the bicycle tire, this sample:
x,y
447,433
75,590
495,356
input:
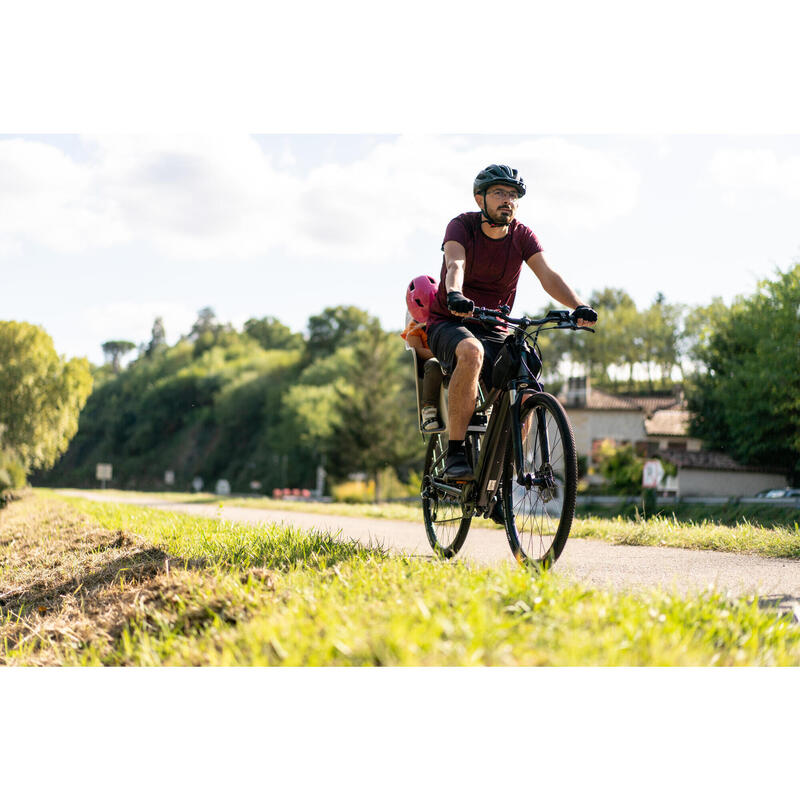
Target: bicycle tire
x,y
446,524
538,519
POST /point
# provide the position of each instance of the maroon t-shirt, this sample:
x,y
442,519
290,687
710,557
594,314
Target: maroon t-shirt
x,y
492,266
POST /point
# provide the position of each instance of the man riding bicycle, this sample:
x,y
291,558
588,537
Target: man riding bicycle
x,y
483,255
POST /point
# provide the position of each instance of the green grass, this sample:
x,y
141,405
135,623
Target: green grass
x,y
742,537
156,588
730,513
664,530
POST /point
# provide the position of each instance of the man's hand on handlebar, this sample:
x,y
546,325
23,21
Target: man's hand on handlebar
x,y
459,305
584,316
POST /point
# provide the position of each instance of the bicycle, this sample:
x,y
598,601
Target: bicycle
x,y
522,450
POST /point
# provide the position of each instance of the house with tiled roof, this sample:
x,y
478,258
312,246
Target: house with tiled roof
x,y
658,427
648,423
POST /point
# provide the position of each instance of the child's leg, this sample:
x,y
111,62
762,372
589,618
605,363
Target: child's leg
x,y
431,383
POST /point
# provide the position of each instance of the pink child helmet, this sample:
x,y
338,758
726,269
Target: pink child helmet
x,y
419,294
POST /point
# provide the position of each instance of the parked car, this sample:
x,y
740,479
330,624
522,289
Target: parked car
x,y
774,494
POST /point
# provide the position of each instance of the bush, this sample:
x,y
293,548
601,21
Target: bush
x,y
354,492
620,466
12,473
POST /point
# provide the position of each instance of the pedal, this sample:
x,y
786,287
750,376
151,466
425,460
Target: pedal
x,y
478,423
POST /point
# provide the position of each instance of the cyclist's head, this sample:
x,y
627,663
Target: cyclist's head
x,y
419,294
498,174
498,187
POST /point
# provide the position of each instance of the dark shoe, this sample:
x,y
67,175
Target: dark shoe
x,y
457,468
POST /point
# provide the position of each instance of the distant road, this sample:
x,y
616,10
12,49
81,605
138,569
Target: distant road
x,y
593,562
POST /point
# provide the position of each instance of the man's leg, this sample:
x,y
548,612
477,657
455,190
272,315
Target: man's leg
x,y
464,387
461,405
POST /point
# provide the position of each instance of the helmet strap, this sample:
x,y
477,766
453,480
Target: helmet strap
x,y
486,218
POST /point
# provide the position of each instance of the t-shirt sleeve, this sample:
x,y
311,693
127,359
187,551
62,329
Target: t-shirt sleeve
x,y
456,231
527,242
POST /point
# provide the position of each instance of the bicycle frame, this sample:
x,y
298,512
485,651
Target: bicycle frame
x,y
488,448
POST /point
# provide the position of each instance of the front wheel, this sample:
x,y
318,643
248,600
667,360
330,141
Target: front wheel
x,y
539,510
446,522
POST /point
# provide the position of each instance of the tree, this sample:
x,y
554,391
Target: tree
x,y
206,322
272,334
335,327
41,395
208,332
158,339
747,401
699,325
114,350
614,341
374,413
660,332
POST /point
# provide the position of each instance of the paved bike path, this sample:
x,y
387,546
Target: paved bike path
x,y
590,561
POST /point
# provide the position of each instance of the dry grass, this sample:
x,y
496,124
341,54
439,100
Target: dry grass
x,y
66,582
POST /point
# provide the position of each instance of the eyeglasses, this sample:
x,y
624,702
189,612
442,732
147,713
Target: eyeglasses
x,y
501,194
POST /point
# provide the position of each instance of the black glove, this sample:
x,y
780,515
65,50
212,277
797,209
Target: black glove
x,y
584,312
458,303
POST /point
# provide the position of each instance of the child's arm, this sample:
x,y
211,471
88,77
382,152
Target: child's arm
x,y
415,342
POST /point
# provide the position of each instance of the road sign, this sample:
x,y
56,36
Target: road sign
x,y
652,474
103,474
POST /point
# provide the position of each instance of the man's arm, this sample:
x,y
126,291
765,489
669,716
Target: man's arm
x,y
554,284
455,259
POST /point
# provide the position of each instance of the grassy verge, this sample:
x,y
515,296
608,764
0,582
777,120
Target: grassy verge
x,y
732,513
664,530
85,583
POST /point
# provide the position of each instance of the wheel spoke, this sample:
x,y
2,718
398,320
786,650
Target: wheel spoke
x,y
541,515
446,525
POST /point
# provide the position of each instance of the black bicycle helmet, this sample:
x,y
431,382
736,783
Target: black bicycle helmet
x,y
498,173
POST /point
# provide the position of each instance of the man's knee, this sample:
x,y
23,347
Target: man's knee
x,y
470,353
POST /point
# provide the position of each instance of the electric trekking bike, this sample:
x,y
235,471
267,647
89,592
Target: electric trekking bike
x,y
522,451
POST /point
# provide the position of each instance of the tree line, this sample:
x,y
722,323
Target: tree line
x,y
266,406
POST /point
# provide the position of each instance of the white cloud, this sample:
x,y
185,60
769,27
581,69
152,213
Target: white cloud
x,y
49,199
743,174
223,197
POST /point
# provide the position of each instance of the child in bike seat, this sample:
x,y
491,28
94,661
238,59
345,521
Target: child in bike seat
x,y
418,301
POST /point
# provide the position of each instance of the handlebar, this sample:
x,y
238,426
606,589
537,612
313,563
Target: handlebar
x,y
561,317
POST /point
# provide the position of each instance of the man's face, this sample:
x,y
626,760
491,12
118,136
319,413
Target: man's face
x,y
501,203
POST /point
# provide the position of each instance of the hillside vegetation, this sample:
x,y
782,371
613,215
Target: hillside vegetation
x,y
262,405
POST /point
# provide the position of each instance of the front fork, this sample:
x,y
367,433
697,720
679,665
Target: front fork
x,y
543,478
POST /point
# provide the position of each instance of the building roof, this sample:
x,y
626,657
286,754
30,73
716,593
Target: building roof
x,y
707,459
668,422
598,400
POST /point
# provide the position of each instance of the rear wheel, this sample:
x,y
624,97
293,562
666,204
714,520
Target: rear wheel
x,y
539,512
446,523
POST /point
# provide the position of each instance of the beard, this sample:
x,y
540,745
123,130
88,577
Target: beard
x,y
501,216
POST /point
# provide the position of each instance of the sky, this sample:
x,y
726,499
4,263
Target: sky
x,y
252,162
99,234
